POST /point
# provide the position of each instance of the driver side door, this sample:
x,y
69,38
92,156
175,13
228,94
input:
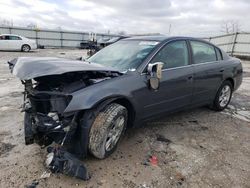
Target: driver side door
x,y
176,85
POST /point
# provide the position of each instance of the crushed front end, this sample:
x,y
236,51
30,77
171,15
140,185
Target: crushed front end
x,y
44,120
49,87
45,101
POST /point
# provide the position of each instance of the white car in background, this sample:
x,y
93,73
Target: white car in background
x,y
16,42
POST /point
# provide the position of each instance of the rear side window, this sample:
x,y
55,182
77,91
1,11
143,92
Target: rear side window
x,y
14,38
202,52
218,53
174,54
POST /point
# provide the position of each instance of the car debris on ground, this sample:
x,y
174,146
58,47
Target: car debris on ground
x,y
61,161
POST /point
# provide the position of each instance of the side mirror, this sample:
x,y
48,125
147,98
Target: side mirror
x,y
155,72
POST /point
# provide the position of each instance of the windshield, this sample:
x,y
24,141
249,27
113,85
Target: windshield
x,y
124,55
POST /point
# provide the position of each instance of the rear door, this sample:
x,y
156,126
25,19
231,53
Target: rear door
x,y
208,71
15,42
176,85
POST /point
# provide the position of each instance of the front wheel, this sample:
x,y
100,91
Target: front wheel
x,y
107,129
223,96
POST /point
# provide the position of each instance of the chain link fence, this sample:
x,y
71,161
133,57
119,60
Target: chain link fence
x,y
235,44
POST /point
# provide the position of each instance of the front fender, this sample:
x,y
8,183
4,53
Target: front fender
x,y
87,98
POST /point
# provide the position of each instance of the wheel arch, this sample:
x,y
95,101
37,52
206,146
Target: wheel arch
x,y
124,101
25,44
231,80
86,117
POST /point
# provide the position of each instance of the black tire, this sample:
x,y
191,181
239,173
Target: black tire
x,y
28,133
106,130
217,103
25,48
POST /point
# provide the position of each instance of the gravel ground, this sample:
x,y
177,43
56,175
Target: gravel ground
x,y
203,148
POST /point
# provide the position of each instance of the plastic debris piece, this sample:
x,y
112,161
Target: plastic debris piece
x,y
45,175
61,161
33,184
153,160
161,138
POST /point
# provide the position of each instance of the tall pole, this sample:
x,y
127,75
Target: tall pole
x,y
169,30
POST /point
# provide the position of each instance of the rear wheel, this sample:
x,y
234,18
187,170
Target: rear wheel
x,y
25,48
223,96
107,129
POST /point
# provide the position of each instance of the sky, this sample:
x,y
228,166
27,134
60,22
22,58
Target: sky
x,y
170,17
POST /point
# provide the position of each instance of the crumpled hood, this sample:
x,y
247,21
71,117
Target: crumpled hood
x,y
27,68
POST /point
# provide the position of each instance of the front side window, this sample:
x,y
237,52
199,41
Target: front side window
x,y
174,54
202,52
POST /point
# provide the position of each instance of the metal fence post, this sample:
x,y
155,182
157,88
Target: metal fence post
x,y
61,38
234,43
36,37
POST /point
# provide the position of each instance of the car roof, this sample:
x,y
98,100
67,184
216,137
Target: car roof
x,y
10,34
162,38
150,37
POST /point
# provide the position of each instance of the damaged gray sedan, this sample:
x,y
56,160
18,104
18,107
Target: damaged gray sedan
x,y
85,106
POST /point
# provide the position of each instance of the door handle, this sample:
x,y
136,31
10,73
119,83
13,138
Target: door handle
x,y
190,78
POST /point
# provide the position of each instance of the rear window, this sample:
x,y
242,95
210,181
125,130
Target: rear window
x,y
218,53
202,52
14,38
3,37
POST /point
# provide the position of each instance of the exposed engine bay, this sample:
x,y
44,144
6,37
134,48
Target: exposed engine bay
x,y
45,99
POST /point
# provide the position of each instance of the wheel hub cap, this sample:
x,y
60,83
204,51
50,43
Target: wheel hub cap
x,y
114,133
224,96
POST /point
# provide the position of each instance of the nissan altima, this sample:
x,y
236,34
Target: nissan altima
x,y
86,106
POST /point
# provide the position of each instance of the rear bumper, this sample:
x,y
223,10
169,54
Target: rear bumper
x,y
33,46
238,79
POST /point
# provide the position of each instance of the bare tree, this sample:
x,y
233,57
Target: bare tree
x,y
31,26
235,26
230,26
169,29
59,28
121,33
5,22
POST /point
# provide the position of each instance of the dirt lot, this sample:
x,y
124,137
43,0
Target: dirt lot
x,y
205,148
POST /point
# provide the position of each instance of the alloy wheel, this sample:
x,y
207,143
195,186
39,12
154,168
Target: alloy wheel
x,y
225,96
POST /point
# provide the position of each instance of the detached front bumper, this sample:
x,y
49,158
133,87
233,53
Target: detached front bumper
x,y
45,123
43,129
